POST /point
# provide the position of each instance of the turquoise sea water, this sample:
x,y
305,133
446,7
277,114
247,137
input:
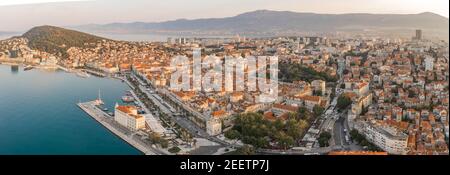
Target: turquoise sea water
x,y
39,116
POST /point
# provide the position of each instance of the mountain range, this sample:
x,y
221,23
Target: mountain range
x,y
265,22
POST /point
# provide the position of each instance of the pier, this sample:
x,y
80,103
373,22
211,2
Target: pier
x,y
96,73
108,121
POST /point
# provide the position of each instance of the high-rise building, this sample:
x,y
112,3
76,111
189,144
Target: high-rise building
x,y
181,40
418,34
429,63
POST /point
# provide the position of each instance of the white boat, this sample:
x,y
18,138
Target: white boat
x,y
83,74
127,99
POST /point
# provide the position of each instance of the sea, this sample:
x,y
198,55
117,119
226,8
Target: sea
x,y
39,116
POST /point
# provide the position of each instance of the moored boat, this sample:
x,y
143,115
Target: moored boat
x,y
27,68
83,74
127,99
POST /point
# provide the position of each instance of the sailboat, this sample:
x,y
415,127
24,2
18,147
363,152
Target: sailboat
x,y
99,100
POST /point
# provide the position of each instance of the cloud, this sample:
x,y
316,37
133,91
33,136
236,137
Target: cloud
x,y
23,2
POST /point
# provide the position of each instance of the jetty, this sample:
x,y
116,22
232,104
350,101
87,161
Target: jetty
x,y
108,121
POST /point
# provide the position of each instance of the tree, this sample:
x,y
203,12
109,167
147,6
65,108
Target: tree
x,y
324,139
318,110
354,135
293,129
343,102
164,143
303,114
278,124
318,93
174,150
245,150
302,110
232,134
303,124
284,140
295,72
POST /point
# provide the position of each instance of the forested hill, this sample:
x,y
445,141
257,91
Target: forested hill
x,y
56,40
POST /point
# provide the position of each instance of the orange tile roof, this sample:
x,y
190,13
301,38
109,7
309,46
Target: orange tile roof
x,y
126,109
426,125
235,94
311,98
361,85
350,95
286,107
355,153
284,116
269,116
218,114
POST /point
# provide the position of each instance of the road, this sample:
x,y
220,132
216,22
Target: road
x,y
146,110
339,133
183,122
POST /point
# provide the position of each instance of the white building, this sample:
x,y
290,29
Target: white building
x,y
279,109
305,101
358,106
128,117
214,126
387,138
361,88
236,97
153,124
429,63
446,130
319,85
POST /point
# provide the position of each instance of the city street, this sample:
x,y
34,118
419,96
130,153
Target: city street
x,y
182,121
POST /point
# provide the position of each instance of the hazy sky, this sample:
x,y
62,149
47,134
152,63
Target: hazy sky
x,y
20,15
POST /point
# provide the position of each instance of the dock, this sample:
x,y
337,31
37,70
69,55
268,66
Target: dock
x,y
96,73
107,121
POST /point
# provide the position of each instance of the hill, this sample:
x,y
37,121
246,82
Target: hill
x,y
57,40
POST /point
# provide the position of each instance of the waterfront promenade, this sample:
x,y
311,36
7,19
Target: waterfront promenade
x,y
108,122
